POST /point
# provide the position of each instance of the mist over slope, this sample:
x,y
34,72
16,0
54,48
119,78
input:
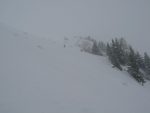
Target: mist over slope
x,y
39,75
101,19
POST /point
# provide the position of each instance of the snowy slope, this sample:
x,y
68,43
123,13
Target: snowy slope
x,y
41,76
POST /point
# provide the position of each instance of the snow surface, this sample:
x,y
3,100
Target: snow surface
x,y
39,75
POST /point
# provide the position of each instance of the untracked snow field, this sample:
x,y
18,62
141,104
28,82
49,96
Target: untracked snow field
x,y
39,75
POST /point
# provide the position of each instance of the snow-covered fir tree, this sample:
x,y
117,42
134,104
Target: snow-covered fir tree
x,y
147,64
133,67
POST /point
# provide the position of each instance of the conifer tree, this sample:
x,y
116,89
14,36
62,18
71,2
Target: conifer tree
x,y
133,67
120,52
124,44
147,63
111,51
95,49
102,46
108,50
140,61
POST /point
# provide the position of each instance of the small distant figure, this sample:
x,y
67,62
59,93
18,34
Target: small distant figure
x,y
64,45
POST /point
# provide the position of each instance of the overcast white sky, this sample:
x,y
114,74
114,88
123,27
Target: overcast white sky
x,y
102,19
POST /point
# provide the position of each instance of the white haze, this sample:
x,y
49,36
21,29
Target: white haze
x,y
39,75
101,19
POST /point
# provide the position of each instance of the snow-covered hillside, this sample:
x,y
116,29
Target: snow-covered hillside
x,y
39,75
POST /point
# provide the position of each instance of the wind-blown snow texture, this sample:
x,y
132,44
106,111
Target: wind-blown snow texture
x,y
41,76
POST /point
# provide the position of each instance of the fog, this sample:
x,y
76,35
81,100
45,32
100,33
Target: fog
x,y
100,19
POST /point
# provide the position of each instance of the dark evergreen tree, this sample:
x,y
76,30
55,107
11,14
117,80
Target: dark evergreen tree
x,y
116,53
102,46
108,51
123,44
140,61
115,62
133,67
95,49
111,52
147,63
120,52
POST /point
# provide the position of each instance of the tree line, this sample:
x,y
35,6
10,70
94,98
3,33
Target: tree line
x,y
124,57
